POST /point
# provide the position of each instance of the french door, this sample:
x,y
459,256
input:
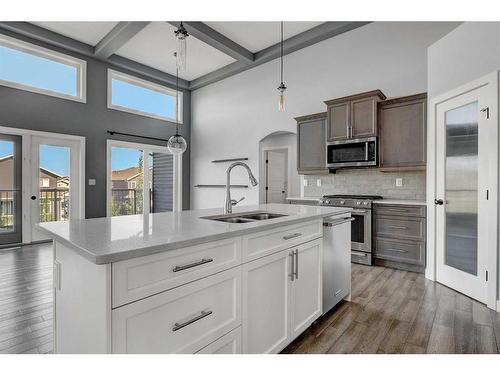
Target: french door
x,y
10,189
55,182
463,130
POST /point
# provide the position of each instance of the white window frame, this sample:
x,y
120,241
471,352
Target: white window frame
x,y
146,149
113,74
32,49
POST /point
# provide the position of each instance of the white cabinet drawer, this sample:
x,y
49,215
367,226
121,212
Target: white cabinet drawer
x,y
257,245
182,320
230,343
142,277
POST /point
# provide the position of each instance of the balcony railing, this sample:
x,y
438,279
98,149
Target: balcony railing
x,y
54,204
7,210
129,201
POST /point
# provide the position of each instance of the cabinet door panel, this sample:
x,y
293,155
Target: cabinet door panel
x,y
266,304
338,121
402,134
312,145
306,298
230,343
364,118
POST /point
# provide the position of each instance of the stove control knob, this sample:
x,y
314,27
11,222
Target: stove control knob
x,y
327,201
365,203
358,203
342,202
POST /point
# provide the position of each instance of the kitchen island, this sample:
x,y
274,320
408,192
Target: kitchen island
x,y
186,282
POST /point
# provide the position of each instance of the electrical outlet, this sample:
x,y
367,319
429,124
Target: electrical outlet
x,y
305,182
399,182
318,182
91,181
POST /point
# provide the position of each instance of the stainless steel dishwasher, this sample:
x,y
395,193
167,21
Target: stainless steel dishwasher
x,y
336,260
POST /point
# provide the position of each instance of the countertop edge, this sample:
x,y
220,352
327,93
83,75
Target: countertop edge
x,y
150,250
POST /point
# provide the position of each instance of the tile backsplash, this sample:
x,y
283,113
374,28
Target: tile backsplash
x,y
368,181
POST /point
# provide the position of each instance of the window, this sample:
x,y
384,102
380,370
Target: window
x,y
133,185
44,182
32,68
134,95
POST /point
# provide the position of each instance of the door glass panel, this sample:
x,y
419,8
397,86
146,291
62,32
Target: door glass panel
x,y
358,229
7,187
54,181
161,184
461,184
127,181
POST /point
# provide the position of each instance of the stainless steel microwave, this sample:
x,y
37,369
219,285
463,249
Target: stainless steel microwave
x,y
360,152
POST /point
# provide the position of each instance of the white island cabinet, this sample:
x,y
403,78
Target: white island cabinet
x,y
179,283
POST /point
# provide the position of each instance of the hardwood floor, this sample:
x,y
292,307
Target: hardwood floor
x,y
391,312
26,299
396,311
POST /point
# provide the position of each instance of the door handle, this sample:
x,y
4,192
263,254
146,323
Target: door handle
x,y
438,202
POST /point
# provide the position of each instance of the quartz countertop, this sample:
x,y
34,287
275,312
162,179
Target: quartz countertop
x,y
408,202
112,239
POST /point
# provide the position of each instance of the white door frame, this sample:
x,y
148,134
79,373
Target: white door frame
x,y
489,83
177,188
26,135
263,168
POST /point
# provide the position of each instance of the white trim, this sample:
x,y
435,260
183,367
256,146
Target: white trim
x,y
489,81
32,49
113,74
27,177
145,148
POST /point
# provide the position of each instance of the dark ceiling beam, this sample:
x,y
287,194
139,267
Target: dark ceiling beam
x,y
117,37
305,39
213,38
33,32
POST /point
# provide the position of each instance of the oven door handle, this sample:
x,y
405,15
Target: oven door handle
x,y
359,211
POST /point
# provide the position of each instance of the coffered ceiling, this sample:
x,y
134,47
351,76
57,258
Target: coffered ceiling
x,y
215,50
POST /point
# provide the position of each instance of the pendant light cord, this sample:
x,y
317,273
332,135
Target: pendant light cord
x,y
177,101
281,52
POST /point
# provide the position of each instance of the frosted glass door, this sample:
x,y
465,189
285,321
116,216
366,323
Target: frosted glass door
x,y
462,162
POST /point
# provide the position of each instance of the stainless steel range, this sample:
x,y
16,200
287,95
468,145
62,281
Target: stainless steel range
x,y
361,226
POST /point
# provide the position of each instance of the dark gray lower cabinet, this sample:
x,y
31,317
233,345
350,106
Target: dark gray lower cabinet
x,y
399,236
311,144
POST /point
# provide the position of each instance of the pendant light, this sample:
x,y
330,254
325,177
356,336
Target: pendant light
x,y
281,87
176,144
181,34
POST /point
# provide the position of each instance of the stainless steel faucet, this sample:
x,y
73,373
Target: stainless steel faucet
x,y
228,205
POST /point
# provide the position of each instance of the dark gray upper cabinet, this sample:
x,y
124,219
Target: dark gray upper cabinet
x,y
353,116
402,133
311,144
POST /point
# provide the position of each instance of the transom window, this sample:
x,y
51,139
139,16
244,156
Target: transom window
x,y
134,95
32,68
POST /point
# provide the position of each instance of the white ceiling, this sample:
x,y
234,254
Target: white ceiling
x,y
155,44
256,36
86,32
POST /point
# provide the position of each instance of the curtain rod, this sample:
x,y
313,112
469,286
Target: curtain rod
x,y
112,132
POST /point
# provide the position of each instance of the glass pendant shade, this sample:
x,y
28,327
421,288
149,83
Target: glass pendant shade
x,y
181,52
177,144
281,98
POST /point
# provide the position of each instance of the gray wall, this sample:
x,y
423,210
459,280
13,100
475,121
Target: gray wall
x,y
22,109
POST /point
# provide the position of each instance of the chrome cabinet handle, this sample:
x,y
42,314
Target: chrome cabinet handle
x,y
398,250
396,209
297,264
396,227
203,314
292,265
290,236
191,265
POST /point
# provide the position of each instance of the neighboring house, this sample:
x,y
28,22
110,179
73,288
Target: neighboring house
x,y
54,193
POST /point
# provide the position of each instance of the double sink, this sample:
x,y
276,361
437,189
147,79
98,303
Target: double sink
x,y
244,217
